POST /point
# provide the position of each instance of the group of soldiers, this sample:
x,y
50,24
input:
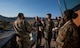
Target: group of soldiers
x,y
64,31
42,26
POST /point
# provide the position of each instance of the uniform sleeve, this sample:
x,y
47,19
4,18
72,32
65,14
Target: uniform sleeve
x,y
27,26
59,39
61,36
15,26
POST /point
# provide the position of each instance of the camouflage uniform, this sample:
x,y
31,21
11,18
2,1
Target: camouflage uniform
x,y
71,37
55,31
37,25
61,23
68,36
22,33
49,26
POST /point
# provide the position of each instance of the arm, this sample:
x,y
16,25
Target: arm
x,y
27,26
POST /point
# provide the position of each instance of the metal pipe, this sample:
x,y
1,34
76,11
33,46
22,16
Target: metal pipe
x,y
65,4
60,7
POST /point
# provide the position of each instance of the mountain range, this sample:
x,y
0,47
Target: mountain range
x,y
13,18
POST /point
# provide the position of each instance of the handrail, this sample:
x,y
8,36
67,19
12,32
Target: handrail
x,y
5,41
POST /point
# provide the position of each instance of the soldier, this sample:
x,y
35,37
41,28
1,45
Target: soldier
x,y
55,29
43,27
22,33
43,23
61,23
49,26
37,25
68,33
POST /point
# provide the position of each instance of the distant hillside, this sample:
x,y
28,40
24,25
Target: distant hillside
x,y
6,18
2,17
13,18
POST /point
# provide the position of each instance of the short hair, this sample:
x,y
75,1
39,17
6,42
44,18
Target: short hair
x,y
42,19
49,15
20,14
37,17
59,17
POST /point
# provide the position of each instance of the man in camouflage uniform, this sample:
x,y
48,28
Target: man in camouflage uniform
x,y
68,33
37,25
49,26
22,33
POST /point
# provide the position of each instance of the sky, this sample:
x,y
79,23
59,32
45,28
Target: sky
x,y
30,8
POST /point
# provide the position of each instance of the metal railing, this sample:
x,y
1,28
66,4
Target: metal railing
x,y
8,42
